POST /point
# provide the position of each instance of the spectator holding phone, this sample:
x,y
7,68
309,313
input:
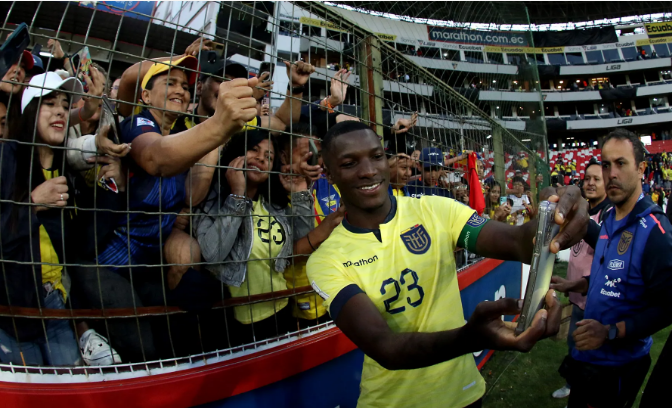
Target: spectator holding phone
x,y
40,178
180,248
493,209
247,234
522,206
295,150
160,160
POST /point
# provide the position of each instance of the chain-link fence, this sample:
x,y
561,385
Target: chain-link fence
x,y
184,236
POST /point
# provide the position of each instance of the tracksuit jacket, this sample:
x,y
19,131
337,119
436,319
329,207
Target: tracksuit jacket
x,y
630,280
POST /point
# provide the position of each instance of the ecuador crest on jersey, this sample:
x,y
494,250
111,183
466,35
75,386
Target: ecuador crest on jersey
x,y
416,239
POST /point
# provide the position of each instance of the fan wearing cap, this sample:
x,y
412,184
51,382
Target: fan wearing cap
x,y
40,178
17,74
207,88
180,244
160,159
431,160
10,91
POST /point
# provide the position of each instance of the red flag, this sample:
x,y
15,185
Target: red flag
x,y
476,199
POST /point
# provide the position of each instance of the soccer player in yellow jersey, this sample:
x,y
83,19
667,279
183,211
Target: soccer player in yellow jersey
x,y
387,275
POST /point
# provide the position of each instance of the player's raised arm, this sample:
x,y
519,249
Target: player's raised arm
x,y
505,242
364,325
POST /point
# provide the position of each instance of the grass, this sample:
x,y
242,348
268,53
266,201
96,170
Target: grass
x,y
528,380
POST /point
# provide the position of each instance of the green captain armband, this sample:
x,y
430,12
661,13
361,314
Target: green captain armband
x,y
470,231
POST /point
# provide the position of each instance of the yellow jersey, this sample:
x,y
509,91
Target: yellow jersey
x,y
398,192
310,306
50,273
667,174
407,268
268,239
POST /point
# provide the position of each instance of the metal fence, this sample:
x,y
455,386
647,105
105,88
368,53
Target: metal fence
x,y
350,73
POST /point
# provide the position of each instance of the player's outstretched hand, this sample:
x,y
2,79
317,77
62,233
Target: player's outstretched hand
x,y
235,105
486,330
572,216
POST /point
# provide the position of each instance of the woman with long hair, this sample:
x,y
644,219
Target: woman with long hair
x,y
248,229
50,231
492,207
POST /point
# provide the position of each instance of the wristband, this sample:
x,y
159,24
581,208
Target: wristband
x,y
330,108
311,244
295,90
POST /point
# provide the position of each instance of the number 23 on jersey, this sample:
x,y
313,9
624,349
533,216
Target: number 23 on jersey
x,y
392,287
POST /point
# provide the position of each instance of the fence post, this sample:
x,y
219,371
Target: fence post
x,y
371,80
500,166
532,168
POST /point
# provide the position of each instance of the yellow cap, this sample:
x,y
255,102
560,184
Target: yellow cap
x,y
188,62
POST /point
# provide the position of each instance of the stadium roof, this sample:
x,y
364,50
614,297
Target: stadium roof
x,y
540,12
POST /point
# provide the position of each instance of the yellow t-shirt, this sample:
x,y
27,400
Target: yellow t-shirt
x,y
398,192
310,306
268,239
50,273
411,278
654,197
667,174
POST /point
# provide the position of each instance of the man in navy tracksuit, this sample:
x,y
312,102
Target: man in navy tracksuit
x,y
629,287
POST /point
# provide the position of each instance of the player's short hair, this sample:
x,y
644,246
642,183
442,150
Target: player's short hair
x,y
518,180
623,134
337,130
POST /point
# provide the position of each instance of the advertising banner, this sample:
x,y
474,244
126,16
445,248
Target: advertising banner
x,y
386,37
536,50
320,23
619,122
126,8
495,38
655,40
658,29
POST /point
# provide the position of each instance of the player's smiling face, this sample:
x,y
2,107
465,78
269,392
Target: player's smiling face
x,y
358,166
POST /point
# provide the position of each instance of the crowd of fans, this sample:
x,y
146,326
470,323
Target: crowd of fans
x,y
195,196
656,180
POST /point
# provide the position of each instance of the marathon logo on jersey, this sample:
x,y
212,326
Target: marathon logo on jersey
x,y
416,239
624,243
141,121
360,263
476,221
616,265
